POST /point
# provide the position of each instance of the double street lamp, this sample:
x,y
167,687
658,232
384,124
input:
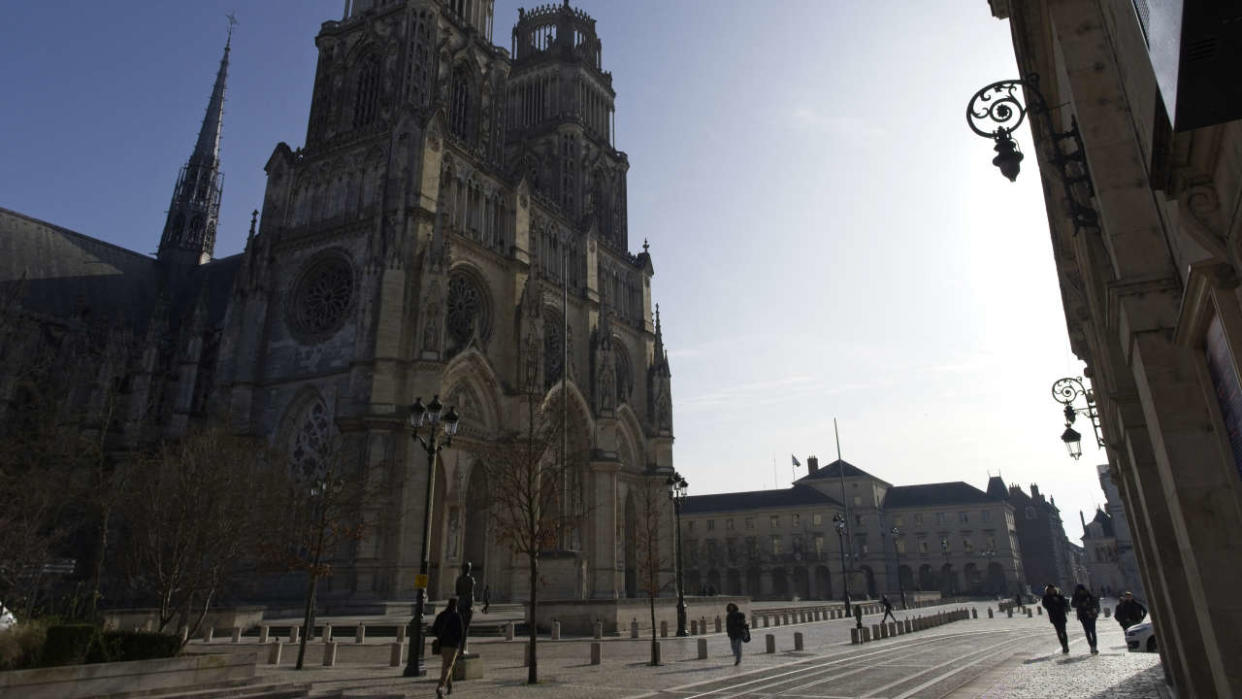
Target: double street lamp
x,y
839,522
428,415
1066,391
677,493
948,567
901,586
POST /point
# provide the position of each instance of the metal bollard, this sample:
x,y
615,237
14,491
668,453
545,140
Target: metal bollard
x,y
798,641
717,624
702,648
974,613
634,628
596,651
694,628
273,655
663,629
989,612
556,630
360,634
329,653
598,630
396,651
769,642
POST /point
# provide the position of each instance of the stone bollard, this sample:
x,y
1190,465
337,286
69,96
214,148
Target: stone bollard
x,y
855,637
703,624
396,651
596,651
769,642
273,655
974,613
556,630
866,633
883,631
509,631
401,631
765,621
776,620
327,633
185,634
1040,611
1028,613
694,628
717,624
208,633
989,612
785,619
295,632
663,629
1010,612
909,626
236,634
702,649
360,634
264,631
329,653
634,628
598,631
798,641
1108,612
875,631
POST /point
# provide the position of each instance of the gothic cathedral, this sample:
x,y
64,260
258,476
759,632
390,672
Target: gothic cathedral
x,y
454,225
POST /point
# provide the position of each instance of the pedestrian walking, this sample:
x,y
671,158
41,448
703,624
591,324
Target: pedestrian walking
x,y
888,609
1088,606
1057,607
450,631
738,630
1129,611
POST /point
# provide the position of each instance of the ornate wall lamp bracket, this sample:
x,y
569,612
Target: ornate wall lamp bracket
x,y
1065,391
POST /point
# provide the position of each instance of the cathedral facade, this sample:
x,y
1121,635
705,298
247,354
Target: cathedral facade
x,y
454,225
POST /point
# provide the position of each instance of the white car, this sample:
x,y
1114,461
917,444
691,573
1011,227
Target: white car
x,y
7,620
1141,638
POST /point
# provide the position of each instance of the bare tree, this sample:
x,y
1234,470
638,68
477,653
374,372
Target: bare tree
x,y
320,511
537,501
195,510
652,558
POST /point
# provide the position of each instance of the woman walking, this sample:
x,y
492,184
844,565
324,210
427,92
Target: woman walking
x,y
1088,606
449,630
738,630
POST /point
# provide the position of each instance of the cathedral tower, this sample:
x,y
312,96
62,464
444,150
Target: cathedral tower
x,y
560,121
190,229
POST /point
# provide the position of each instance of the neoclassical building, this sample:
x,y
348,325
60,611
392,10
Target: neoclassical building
x,y
454,224
950,538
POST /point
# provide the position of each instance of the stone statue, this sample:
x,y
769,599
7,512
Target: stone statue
x,y
465,601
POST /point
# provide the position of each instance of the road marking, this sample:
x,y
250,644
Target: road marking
x,y
953,661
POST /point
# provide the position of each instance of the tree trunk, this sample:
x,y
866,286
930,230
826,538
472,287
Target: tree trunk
x,y
308,618
97,574
532,673
651,602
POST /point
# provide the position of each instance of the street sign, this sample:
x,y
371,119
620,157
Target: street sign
x,y
420,582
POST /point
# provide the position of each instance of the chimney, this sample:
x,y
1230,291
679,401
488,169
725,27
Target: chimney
x,y
812,465
1035,492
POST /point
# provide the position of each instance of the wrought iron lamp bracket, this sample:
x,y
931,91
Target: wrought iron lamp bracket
x,y
1065,391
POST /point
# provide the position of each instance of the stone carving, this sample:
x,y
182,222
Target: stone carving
x,y
431,324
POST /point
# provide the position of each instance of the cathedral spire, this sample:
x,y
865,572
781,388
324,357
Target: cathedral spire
x,y
190,229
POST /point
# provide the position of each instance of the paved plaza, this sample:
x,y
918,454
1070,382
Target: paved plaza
x,y
1000,657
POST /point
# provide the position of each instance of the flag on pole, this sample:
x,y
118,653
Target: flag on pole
x,y
795,461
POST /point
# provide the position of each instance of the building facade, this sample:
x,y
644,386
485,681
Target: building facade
x,y
1115,510
1143,186
454,225
1099,542
1046,554
950,538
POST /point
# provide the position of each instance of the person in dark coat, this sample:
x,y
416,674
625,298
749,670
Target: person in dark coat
x,y
1129,611
1088,606
737,629
1057,606
450,631
888,609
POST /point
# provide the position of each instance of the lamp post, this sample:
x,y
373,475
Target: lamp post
x,y
988,556
1065,391
429,415
839,522
901,587
677,493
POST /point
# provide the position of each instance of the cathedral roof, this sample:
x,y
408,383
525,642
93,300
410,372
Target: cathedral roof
x,y
796,496
928,494
65,272
1105,521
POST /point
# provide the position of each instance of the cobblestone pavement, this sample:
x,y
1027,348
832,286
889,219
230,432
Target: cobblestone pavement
x,y
982,657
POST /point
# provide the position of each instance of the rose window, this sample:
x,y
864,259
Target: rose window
x,y
321,298
467,315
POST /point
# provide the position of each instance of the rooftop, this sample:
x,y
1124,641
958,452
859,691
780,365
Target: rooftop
x,y
757,500
929,494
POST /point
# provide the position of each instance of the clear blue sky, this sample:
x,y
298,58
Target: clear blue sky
x,y
829,238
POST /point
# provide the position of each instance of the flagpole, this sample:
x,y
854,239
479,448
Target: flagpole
x,y
775,478
849,526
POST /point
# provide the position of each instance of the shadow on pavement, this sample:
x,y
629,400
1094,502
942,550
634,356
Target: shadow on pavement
x,y
1148,683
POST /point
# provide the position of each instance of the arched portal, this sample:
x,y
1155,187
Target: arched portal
x,y
477,534
631,544
996,579
801,583
823,582
974,579
906,576
948,580
927,579
780,583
